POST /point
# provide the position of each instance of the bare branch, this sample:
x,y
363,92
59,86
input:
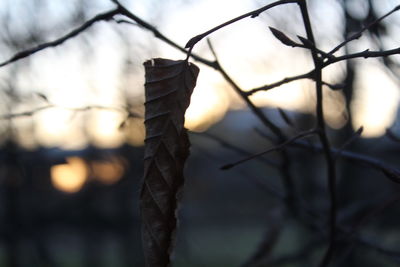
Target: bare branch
x,y
140,22
286,118
355,136
331,59
359,33
192,42
390,172
25,113
287,179
364,54
322,136
235,148
311,74
243,95
86,108
275,148
308,75
120,10
26,53
310,45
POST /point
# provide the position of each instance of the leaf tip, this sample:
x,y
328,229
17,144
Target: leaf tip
x,y
282,37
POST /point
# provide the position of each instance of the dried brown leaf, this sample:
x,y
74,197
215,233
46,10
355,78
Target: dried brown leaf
x,y
169,85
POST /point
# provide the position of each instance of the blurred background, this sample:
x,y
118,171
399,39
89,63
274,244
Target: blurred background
x,y
71,135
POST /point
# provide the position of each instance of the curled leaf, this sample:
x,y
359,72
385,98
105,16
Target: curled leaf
x,y
169,85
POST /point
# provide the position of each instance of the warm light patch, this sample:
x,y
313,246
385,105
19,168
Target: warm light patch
x,y
134,131
104,128
108,172
69,177
207,106
335,112
53,123
59,127
287,96
376,101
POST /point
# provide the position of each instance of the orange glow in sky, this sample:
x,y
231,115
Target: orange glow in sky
x,y
108,172
377,100
69,177
248,52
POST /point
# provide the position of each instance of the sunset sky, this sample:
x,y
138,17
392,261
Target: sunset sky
x,y
74,76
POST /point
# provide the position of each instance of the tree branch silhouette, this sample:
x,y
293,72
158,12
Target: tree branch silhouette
x,y
79,109
272,149
255,13
321,127
26,53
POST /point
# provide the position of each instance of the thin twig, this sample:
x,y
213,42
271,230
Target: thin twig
x,y
390,172
25,113
124,21
275,148
257,111
235,148
26,53
125,12
215,64
331,60
311,74
364,54
355,136
192,42
315,219
323,136
305,44
286,176
359,33
120,10
308,75
86,108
